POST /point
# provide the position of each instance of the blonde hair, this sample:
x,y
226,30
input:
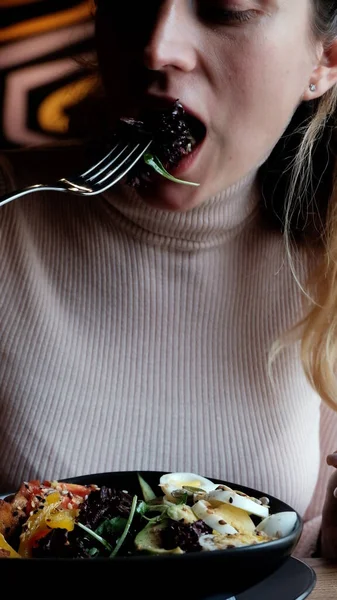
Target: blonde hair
x,y
317,331
307,208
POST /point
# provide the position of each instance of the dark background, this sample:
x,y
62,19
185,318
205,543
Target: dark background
x,y
45,49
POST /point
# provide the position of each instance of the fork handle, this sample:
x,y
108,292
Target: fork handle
x,y
34,188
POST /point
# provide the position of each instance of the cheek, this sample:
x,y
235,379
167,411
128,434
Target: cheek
x,y
264,88
259,90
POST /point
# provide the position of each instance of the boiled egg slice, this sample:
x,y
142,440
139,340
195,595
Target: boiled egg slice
x,y
203,510
279,524
174,481
238,518
239,500
210,541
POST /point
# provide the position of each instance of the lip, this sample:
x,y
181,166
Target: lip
x,y
162,102
187,161
154,102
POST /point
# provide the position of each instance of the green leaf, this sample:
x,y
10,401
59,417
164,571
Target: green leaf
x,y
127,527
142,508
183,499
147,491
155,519
94,535
156,164
152,508
113,526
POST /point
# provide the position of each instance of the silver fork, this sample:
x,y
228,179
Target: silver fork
x,y
110,169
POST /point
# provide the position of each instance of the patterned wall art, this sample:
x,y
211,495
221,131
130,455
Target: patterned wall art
x,y
45,46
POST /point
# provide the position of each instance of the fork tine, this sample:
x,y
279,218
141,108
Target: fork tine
x,y
119,165
110,160
100,162
119,172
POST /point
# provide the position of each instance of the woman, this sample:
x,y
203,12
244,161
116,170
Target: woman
x,y
138,327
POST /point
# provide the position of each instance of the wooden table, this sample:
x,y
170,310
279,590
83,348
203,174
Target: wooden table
x,y
326,586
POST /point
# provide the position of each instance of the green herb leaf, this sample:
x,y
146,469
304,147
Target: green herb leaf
x,y
183,499
144,508
147,491
94,535
141,508
127,527
155,163
113,526
193,490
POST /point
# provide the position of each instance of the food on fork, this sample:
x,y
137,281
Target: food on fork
x,y
175,134
54,519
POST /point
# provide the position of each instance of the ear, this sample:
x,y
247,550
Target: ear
x,y
324,75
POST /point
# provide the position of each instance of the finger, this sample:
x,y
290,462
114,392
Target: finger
x,y
331,459
335,493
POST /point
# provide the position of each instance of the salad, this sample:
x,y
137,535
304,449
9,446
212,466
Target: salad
x,y
187,513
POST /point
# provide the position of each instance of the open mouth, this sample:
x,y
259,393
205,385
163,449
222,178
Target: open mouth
x,y
176,134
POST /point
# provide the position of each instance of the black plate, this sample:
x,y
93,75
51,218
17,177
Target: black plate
x,y
196,575
295,580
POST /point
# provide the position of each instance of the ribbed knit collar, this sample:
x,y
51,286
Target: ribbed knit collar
x,y
215,221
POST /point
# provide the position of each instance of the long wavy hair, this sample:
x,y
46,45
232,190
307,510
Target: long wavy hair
x,y
299,192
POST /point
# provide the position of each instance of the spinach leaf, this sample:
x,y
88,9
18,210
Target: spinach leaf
x,y
94,535
127,527
109,527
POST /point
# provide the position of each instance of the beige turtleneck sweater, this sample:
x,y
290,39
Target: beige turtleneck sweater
x,y
135,338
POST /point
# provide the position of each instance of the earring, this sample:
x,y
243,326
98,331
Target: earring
x,y
312,87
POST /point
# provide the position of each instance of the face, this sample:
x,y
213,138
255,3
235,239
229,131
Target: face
x,y
240,66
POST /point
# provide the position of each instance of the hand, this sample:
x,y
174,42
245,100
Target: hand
x,y
329,517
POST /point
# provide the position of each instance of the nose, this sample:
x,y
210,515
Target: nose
x,y
171,42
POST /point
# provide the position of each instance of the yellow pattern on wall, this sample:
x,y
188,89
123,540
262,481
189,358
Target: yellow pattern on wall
x,y
52,112
42,76
46,23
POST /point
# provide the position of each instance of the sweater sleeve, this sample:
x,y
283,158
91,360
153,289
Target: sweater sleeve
x,y
307,545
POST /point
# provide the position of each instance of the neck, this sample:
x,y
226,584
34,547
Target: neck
x,y
216,220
